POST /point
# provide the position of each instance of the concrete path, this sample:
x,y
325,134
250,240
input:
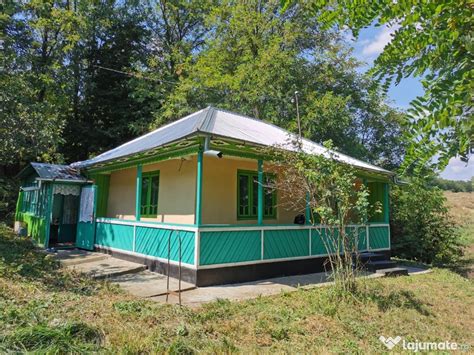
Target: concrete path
x,y
133,278
69,257
249,290
96,265
148,284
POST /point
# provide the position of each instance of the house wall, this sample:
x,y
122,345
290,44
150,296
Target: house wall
x,y
219,201
177,192
176,197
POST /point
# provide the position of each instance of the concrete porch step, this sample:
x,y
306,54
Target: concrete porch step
x,y
148,284
394,271
70,257
370,256
380,264
107,268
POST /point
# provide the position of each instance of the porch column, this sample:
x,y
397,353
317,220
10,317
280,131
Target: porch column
x,y
198,216
138,195
260,192
386,204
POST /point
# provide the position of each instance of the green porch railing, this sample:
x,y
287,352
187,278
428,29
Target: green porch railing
x,y
223,246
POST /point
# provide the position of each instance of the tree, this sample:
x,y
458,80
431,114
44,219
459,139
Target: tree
x,y
421,227
335,197
254,59
104,107
433,40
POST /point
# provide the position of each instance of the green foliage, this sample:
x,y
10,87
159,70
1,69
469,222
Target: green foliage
x,y
453,185
421,228
335,197
433,40
255,58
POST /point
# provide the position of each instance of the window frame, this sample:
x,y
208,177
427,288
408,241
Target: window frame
x,y
251,175
145,208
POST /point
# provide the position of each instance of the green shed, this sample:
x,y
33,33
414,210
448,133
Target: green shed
x,y
48,204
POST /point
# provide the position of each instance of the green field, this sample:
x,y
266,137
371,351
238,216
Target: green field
x,y
43,308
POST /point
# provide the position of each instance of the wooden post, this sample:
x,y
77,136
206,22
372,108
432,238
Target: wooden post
x,y
198,215
138,195
260,192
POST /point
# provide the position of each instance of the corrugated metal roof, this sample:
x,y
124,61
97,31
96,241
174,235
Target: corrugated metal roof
x,y
225,124
56,172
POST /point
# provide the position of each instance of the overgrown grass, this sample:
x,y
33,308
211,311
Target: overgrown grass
x,y
44,309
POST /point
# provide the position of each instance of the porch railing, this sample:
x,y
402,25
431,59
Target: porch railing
x,y
223,246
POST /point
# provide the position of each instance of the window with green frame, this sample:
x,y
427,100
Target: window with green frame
x,y
247,195
150,189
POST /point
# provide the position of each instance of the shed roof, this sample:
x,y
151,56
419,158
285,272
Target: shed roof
x,y
52,172
225,124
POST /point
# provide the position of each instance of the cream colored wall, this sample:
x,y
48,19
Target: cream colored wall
x,y
176,197
121,203
220,193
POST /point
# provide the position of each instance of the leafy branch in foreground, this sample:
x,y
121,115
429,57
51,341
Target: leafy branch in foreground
x,y
336,198
432,40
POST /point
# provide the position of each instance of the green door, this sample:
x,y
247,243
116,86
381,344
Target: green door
x,y
86,222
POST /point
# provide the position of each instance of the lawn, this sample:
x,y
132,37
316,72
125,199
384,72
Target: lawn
x,y
43,308
461,207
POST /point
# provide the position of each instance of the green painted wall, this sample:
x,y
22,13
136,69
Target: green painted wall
x,y
362,242
377,194
35,226
379,237
285,243
154,242
229,247
114,236
102,182
148,241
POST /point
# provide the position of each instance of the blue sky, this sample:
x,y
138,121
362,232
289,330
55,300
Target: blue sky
x,y
367,47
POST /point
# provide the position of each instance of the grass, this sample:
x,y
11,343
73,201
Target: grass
x,y
461,206
47,310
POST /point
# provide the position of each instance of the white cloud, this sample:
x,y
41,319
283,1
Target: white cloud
x,y
458,170
376,45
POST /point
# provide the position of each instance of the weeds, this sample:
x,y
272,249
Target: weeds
x,y
49,311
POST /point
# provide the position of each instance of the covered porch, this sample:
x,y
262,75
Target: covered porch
x,y
224,236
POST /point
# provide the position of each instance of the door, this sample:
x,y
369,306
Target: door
x,y
85,236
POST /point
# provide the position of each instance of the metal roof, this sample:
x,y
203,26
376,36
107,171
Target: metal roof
x,y
225,124
52,172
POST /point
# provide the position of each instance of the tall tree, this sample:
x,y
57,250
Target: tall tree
x,y
104,108
433,41
254,60
36,36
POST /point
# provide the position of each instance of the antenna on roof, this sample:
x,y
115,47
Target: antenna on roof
x,y
295,100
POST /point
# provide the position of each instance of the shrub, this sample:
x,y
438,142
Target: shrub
x,y
421,228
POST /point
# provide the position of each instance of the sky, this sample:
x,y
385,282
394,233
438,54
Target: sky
x,y
367,47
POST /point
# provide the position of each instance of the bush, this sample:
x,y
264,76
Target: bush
x,y
421,228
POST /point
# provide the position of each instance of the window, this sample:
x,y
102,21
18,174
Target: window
x,y
247,195
150,188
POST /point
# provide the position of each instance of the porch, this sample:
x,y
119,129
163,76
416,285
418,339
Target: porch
x,y
217,254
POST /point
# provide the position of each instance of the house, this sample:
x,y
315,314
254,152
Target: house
x,y
188,194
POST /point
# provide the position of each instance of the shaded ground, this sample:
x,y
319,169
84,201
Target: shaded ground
x,y
44,308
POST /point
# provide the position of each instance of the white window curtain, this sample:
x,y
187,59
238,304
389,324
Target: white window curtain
x,y
86,213
65,189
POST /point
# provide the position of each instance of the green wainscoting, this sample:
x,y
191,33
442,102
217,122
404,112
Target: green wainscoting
x,y
317,243
286,243
230,247
379,237
116,236
154,242
362,242
36,227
